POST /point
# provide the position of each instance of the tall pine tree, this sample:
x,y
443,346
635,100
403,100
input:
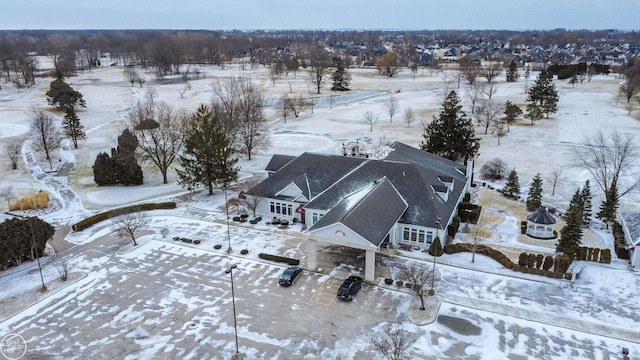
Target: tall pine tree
x,y
534,198
542,98
609,206
512,72
209,157
341,77
571,233
586,196
73,127
512,185
451,134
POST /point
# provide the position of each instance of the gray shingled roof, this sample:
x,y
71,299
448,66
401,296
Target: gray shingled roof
x,y
302,182
444,167
414,183
371,216
632,221
277,161
321,171
541,216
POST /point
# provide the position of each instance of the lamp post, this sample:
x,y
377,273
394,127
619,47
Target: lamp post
x,y
35,248
433,270
226,206
237,355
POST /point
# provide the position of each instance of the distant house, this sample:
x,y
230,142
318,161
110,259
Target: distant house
x,y
407,198
630,222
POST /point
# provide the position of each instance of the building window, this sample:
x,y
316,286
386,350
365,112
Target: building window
x,y
281,208
415,236
315,217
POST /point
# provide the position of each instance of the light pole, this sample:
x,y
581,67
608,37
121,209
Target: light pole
x,y
35,248
237,355
433,270
226,206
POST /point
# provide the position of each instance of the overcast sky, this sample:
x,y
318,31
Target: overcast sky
x,y
320,14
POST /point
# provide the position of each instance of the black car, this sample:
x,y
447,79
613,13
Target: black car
x,y
350,288
289,276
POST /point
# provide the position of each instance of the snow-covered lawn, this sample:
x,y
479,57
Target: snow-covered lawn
x,y
167,299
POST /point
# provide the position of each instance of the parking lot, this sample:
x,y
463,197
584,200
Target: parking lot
x,y
168,301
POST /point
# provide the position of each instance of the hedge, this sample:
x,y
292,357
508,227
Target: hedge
x,y
92,220
277,258
483,250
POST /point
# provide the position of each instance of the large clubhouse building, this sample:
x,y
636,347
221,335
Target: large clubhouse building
x,y
409,197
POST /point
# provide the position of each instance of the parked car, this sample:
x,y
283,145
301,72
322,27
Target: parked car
x,y
350,288
289,276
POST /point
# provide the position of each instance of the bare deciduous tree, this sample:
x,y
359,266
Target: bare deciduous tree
x,y
395,343
391,103
252,202
498,129
285,106
319,68
470,70
554,177
45,134
492,70
127,224
159,130
131,75
7,195
251,130
479,233
419,277
63,270
488,111
409,116
474,94
12,151
371,119
298,105
332,100
608,157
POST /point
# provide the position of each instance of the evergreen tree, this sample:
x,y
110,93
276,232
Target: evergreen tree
x,y
341,77
512,185
512,72
208,158
435,249
586,196
73,127
542,98
534,198
121,168
104,172
511,112
62,95
549,102
451,134
571,233
609,206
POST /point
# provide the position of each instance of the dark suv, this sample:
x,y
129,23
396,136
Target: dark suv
x,y
350,288
289,276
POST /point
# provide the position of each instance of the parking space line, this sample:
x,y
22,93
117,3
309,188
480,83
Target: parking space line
x,y
324,295
258,274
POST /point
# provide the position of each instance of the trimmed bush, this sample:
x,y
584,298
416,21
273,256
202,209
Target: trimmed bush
x,y
197,241
92,220
176,238
277,258
568,276
217,246
244,251
408,285
399,283
244,216
236,218
388,281
523,259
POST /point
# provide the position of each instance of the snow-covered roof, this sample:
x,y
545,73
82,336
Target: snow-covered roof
x,y
632,223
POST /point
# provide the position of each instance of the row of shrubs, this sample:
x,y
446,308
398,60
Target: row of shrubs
x,y
186,240
468,212
480,249
399,283
590,254
243,251
92,220
545,262
547,273
280,259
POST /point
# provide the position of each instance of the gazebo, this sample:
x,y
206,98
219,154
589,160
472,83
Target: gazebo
x,y
540,224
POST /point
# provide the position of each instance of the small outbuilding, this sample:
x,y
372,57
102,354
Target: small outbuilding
x,y
540,224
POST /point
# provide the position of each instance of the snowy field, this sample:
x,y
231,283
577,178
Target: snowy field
x,y
165,299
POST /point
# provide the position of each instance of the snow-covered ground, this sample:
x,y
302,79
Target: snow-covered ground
x,y
516,317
